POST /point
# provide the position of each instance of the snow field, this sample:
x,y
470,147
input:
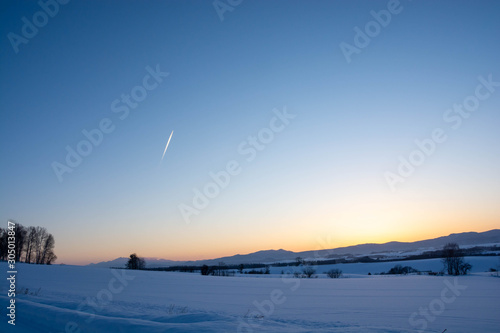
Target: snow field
x,y
83,299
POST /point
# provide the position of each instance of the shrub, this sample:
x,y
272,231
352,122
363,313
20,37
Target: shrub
x,y
26,291
205,270
398,269
334,273
254,271
308,272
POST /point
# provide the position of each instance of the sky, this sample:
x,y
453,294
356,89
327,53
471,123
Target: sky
x,y
325,124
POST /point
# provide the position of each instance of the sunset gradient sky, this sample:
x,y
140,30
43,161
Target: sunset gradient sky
x,y
320,180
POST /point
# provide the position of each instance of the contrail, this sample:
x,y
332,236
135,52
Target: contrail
x,y
167,146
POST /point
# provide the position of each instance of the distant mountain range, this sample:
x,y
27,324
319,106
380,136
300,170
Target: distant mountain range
x,y
391,249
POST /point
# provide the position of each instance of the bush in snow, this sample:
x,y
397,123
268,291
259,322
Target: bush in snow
x,y
334,273
398,269
308,272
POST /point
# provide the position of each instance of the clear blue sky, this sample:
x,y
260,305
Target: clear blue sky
x,y
323,175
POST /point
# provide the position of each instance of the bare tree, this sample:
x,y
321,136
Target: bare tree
x,y
34,244
41,237
465,267
453,260
299,261
334,273
220,269
205,270
30,244
20,240
48,255
308,272
135,262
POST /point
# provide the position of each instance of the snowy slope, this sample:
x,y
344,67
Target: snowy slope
x,y
99,300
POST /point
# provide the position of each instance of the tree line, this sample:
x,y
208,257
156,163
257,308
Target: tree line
x,y
33,245
452,258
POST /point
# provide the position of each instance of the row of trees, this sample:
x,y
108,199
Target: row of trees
x,y
220,270
451,254
34,245
452,258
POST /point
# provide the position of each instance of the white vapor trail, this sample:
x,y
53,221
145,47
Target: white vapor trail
x,y
167,146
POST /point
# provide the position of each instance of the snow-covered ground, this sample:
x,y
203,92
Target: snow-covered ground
x,y
85,299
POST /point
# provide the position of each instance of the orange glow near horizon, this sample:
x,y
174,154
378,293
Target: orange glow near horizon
x,y
354,219
327,242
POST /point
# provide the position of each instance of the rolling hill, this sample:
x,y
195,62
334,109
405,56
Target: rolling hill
x,y
465,239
